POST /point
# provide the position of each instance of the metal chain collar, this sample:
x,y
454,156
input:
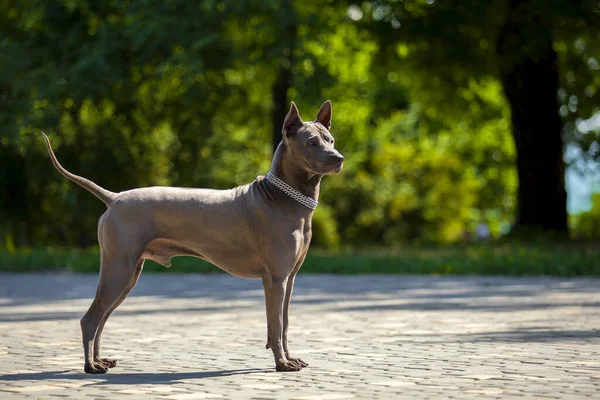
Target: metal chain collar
x,y
290,191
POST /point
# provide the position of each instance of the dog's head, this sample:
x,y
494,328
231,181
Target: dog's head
x,y
310,144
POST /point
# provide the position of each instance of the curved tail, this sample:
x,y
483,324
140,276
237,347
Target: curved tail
x,y
105,195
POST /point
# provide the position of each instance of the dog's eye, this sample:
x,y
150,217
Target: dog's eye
x,y
312,142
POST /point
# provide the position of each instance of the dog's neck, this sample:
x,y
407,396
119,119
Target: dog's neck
x,y
306,182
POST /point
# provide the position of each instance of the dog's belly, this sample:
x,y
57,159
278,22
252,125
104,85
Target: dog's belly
x,y
233,262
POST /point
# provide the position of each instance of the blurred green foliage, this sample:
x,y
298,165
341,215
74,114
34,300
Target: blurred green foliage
x,y
586,225
446,54
138,93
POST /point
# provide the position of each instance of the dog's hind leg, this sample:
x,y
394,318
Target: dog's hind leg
x,y
107,362
116,275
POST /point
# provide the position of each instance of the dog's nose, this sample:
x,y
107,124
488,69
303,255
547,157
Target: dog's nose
x,y
338,158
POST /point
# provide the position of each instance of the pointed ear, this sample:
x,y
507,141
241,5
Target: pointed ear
x,y
324,115
292,121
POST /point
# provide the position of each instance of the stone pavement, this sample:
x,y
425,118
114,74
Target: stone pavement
x,y
185,337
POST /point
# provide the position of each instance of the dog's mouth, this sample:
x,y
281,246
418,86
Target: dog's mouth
x,y
329,168
338,168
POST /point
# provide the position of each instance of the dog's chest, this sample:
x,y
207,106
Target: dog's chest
x,y
307,232
303,236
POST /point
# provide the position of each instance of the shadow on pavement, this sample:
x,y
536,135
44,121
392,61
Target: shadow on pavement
x,y
27,289
336,293
162,378
69,315
533,335
506,305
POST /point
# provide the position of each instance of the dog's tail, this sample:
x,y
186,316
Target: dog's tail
x,y
105,195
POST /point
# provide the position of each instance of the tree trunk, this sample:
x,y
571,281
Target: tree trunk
x,y
529,75
283,80
282,83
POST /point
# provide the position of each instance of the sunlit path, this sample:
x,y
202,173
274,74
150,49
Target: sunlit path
x,y
203,336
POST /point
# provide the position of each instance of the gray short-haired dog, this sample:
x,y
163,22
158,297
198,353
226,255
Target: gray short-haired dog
x,y
258,231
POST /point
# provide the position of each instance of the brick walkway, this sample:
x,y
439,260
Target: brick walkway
x,y
197,336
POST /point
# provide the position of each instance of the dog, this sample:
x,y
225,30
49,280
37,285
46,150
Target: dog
x,y
261,230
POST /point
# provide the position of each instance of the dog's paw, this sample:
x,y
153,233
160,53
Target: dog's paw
x,y
298,361
285,366
95,368
107,362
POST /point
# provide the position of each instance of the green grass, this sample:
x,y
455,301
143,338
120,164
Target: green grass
x,y
558,259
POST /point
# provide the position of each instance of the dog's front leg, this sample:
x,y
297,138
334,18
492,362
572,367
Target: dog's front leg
x,y
274,297
286,306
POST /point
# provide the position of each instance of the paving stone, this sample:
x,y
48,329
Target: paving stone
x,y
365,337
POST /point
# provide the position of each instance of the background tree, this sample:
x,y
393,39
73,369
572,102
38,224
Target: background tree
x,y
189,94
449,51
